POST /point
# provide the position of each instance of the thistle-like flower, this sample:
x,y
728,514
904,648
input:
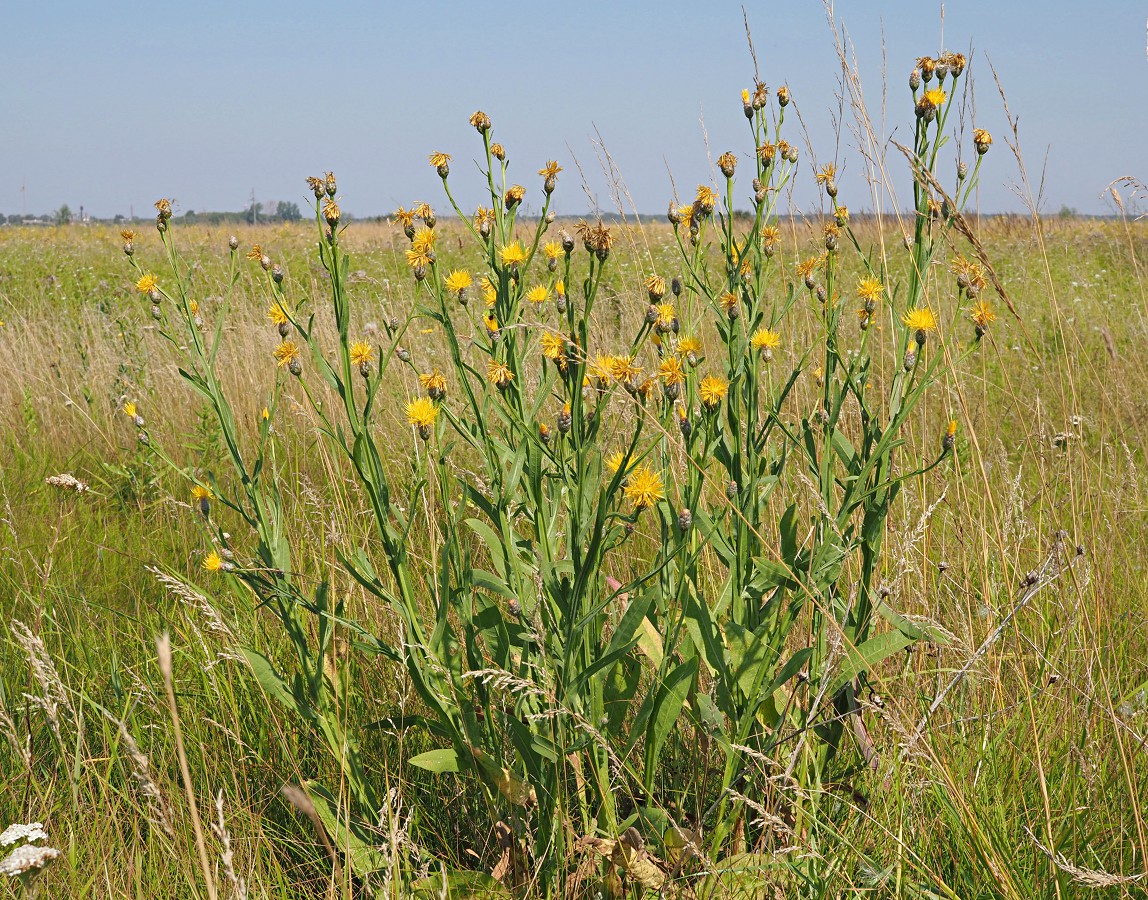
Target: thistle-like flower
x,y
499,374
441,163
765,342
712,391
434,383
360,352
421,413
643,487
921,321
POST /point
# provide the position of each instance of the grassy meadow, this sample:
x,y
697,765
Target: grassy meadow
x,y
1027,780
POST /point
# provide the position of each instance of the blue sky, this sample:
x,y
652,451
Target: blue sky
x,y
112,105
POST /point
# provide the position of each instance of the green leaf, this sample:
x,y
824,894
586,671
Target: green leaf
x,y
355,841
274,683
459,884
439,761
668,703
868,654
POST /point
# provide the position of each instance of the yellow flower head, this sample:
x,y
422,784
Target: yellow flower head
x,y
920,319
458,281
512,254
644,488
982,140
480,121
423,211
982,314
705,199
936,97
624,369
499,374
870,290
163,207
763,339
827,173
538,294
671,372
498,151
483,218
552,249
513,195
614,461
807,267
688,345
405,217
130,410
770,234
286,353
729,301
213,562
361,352
147,283
331,212
666,315
434,383
554,347
422,412
277,314
550,170
199,492
489,291
712,391
560,288
439,159
491,323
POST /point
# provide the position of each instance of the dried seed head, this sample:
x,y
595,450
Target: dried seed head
x,y
727,163
498,152
481,122
673,214
982,140
329,184
731,490
760,95
295,367
567,241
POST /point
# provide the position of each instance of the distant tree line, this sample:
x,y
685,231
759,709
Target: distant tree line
x,y
258,213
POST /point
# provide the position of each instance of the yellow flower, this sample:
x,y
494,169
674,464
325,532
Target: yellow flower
x,y
439,159
512,254
128,236
480,121
982,140
982,315
163,207
361,352
554,347
265,414
712,391
405,217
537,294
624,370
458,281
130,410
255,254
706,199
147,283
513,195
498,151
819,374
690,348
644,488
614,461
213,562
560,288
870,290
807,267
765,340
277,314
936,97
766,152
434,383
423,241
744,97
489,292
729,301
550,170
920,319
491,324
286,353
331,212
600,368
199,492
666,316
827,173
552,249
421,412
656,287
499,374
769,236
671,372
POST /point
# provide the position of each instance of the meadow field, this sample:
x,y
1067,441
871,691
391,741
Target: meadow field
x,y
531,625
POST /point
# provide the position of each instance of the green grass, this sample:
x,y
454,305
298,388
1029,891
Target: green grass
x,y
1046,735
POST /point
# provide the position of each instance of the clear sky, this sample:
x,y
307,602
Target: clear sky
x,y
111,105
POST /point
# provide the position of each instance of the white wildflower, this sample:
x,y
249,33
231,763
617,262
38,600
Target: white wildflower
x,y
67,481
26,859
23,834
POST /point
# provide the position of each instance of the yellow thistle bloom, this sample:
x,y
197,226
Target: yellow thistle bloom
x,y
512,254
130,410
644,488
128,236
147,283
600,368
982,140
552,249
655,287
819,375
458,281
424,239
729,301
688,345
421,414
423,211
513,195
982,314
614,461
265,414
489,291
418,258
434,383
560,288
624,370
213,562
538,294
936,97
498,151
199,494
361,352
870,289
920,319
499,374
405,217
554,347
480,120
827,173
770,234
163,207
671,372
666,316
439,159
286,353
331,212
277,314
763,339
491,324
766,152
712,391
705,199
550,170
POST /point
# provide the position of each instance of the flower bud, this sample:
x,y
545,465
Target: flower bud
x,y
673,215
910,359
915,80
962,171
685,520
783,96
277,273
233,242
676,286
295,367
